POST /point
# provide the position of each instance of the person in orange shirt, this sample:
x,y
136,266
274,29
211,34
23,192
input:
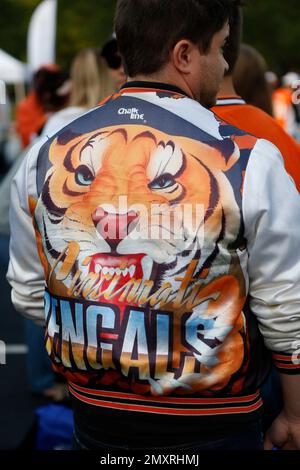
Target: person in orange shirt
x,y
31,118
49,95
233,109
286,112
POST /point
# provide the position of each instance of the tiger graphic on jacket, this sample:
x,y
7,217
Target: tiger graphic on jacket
x,y
125,213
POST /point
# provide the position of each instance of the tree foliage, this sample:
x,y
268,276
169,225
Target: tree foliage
x,y
81,24
270,25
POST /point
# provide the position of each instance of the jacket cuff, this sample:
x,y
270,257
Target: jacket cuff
x,y
287,363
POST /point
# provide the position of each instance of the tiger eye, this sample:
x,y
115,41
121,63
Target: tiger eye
x,y
162,182
84,176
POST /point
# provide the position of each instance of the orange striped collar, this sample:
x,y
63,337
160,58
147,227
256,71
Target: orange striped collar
x,y
230,100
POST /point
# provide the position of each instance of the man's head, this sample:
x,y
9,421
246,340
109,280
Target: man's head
x,y
182,40
113,61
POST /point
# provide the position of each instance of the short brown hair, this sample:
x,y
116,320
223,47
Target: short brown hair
x,y
147,30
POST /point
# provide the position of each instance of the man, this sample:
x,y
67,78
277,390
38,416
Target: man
x,y
164,245
236,111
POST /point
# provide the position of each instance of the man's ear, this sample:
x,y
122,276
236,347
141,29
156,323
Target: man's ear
x,y
182,55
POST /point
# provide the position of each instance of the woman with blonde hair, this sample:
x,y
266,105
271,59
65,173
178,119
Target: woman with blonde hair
x,y
91,82
96,74
86,80
84,91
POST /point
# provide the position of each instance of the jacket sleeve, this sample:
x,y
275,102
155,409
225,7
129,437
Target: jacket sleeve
x,y
271,208
25,272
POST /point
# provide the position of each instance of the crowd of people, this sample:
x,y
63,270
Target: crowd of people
x,y
186,341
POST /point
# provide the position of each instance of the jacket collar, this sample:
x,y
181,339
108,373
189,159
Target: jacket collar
x,y
143,86
230,101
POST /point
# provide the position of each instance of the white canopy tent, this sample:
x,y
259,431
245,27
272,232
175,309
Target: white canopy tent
x,y
41,41
12,71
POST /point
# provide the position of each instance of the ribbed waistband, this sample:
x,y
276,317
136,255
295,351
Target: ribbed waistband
x,y
179,406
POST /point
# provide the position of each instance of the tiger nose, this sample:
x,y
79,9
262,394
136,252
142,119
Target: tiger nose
x,y
114,227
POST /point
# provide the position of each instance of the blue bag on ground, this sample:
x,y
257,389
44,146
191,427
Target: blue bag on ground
x,y
54,427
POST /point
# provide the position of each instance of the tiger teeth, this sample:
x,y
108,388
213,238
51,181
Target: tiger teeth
x,y
131,271
115,271
98,268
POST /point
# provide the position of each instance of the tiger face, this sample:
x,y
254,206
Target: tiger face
x,y
140,204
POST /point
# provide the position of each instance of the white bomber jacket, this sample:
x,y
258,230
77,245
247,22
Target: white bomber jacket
x,y
161,249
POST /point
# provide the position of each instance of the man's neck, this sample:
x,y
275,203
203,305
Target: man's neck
x,y
227,87
166,78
